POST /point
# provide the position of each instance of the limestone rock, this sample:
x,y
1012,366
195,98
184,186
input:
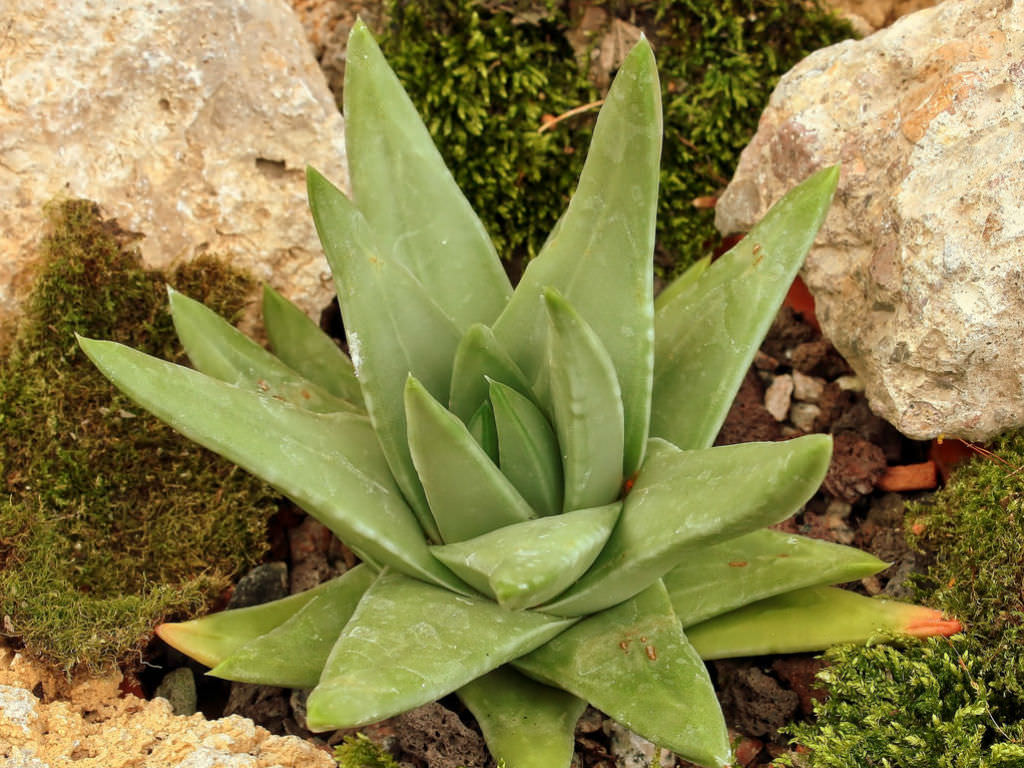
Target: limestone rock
x,y
190,121
917,273
89,723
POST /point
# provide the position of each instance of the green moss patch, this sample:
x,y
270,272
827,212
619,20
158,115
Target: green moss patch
x,y
943,703
109,521
485,77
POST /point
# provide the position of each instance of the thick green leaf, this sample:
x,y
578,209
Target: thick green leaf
x,y
599,255
481,427
525,724
218,349
271,659
300,344
394,329
682,285
525,564
401,185
468,495
479,358
634,663
527,449
330,464
409,643
810,620
586,405
760,564
212,639
682,500
706,343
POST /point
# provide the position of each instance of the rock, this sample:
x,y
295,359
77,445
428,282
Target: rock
x,y
753,701
46,720
309,543
916,274
263,584
807,388
189,121
867,16
778,396
856,466
436,735
632,751
804,416
179,688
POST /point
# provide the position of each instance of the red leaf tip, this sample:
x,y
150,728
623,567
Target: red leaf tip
x,y
928,623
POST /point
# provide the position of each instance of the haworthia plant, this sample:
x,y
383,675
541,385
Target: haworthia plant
x,y
526,474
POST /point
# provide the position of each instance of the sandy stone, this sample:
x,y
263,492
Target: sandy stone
x,y
917,274
778,396
92,725
189,121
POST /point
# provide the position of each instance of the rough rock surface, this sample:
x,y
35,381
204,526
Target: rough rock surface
x,y
48,721
190,121
917,273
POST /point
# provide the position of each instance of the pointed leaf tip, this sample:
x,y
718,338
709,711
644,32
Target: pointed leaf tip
x,y
928,622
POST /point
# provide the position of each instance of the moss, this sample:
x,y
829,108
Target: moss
x,y
484,79
483,84
359,752
110,521
958,704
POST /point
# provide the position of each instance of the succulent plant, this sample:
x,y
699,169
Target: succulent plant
x,y
526,475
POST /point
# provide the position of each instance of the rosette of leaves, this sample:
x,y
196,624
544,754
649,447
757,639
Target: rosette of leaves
x,y
526,474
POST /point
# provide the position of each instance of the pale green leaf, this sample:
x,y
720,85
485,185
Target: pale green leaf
x,y
481,427
218,349
401,185
716,579
213,638
599,255
478,358
634,663
409,643
467,493
527,449
526,564
330,464
705,339
394,329
811,619
678,288
300,344
525,724
271,658
682,500
586,405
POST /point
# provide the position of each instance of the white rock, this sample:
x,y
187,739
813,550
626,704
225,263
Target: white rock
x,y
804,415
917,274
190,121
807,388
18,707
778,396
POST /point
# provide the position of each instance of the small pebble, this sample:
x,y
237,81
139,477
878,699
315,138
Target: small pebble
x,y
263,584
807,388
179,688
778,396
632,751
850,384
804,415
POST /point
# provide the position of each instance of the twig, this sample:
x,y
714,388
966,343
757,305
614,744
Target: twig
x,y
549,124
